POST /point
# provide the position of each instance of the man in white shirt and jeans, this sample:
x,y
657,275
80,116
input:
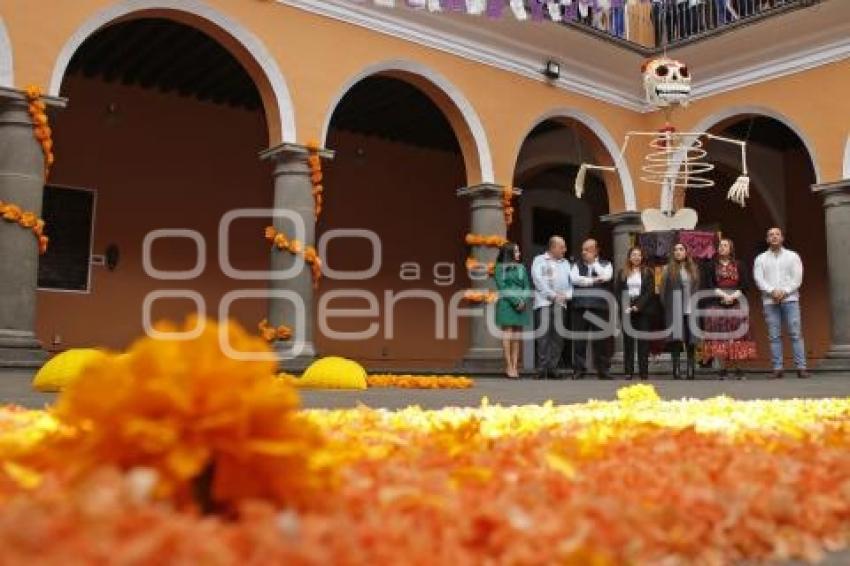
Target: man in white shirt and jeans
x,y
550,273
778,273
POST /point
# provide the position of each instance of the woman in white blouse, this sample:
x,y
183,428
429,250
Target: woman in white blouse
x,y
635,288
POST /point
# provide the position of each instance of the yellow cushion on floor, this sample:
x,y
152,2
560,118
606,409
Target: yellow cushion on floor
x,y
333,372
63,368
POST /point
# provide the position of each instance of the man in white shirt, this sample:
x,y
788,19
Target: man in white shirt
x,y
550,273
778,273
595,275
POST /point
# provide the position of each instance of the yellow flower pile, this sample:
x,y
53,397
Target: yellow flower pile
x,y
333,372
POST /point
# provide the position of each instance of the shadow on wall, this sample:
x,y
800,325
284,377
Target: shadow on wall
x,y
549,198
153,172
406,195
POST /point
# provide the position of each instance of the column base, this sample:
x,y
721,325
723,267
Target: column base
x,y
836,359
484,360
298,363
20,349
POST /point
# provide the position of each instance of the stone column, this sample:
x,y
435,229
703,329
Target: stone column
x,y
623,225
836,202
487,219
293,191
22,184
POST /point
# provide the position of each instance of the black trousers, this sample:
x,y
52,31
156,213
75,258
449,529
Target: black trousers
x,y
550,344
632,345
600,348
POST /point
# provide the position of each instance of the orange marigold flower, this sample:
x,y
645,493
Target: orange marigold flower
x,y
280,241
310,254
312,146
42,244
190,412
33,92
270,233
295,246
38,229
28,220
12,212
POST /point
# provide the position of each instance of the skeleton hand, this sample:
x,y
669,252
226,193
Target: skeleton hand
x,y
740,191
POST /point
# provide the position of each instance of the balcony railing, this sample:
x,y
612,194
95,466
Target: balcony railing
x,y
650,25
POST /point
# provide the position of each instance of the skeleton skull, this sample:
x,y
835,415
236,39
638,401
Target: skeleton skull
x,y
667,82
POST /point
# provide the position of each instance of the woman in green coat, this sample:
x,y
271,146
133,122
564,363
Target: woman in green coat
x,y
513,309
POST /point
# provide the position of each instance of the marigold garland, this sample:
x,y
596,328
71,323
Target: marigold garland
x,y
419,381
493,241
28,220
480,296
314,160
271,334
41,125
473,265
311,257
507,205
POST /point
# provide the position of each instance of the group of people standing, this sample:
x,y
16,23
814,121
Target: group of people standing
x,y
690,305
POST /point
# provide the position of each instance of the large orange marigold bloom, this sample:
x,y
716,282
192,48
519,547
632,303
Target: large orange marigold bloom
x,y
188,411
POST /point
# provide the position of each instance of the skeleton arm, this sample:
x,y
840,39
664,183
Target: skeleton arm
x,y
582,171
740,190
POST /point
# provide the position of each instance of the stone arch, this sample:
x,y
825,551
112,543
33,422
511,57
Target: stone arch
x,y
604,137
248,49
724,114
460,113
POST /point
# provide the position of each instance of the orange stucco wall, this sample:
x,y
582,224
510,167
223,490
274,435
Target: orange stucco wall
x,y
307,50
149,174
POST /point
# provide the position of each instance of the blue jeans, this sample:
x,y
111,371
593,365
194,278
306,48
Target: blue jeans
x,y
774,314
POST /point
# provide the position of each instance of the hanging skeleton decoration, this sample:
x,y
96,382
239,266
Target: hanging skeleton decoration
x,y
675,159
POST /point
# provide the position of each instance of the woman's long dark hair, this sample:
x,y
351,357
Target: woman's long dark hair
x,y
506,254
626,270
689,264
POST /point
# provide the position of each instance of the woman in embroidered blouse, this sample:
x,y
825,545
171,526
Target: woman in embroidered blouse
x,y
725,317
635,289
679,281
513,309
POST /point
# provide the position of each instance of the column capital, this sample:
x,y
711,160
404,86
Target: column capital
x,y
288,150
834,194
15,95
485,190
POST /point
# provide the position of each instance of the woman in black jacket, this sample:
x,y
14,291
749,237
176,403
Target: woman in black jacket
x,y
635,289
679,282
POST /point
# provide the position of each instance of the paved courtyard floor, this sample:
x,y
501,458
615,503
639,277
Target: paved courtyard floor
x,y
15,388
